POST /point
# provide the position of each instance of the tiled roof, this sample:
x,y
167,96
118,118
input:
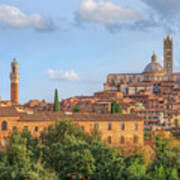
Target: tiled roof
x,y
79,117
8,111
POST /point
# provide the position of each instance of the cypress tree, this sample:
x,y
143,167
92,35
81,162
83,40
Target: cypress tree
x,y
56,107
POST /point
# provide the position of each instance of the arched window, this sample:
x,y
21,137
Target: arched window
x,y
4,126
109,126
14,69
122,126
135,139
135,126
36,129
122,140
96,126
109,140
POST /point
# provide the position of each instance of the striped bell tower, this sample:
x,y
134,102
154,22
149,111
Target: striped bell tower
x,y
14,78
168,54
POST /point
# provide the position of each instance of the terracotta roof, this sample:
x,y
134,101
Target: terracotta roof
x,y
8,111
79,117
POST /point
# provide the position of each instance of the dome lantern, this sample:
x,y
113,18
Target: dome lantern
x,y
154,58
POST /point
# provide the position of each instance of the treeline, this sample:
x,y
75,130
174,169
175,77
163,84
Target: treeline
x,y
64,152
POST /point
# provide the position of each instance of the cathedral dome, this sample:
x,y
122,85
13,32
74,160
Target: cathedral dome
x,y
153,66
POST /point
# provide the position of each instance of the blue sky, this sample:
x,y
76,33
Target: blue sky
x,y
72,45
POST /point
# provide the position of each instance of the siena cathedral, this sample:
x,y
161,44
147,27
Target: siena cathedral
x,y
152,76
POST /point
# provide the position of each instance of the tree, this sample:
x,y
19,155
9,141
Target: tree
x,y
56,106
76,108
116,108
18,162
113,107
71,159
73,153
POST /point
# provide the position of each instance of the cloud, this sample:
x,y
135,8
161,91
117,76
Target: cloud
x,y
11,16
163,15
167,8
166,12
105,13
63,75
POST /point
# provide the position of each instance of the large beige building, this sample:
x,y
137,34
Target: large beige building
x,y
149,79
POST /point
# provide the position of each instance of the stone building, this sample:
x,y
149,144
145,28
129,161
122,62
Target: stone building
x,y
150,78
116,130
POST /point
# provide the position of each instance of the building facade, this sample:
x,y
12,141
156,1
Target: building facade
x,y
153,73
116,130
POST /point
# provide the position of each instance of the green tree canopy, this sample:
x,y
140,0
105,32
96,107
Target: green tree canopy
x,y
76,108
56,106
116,108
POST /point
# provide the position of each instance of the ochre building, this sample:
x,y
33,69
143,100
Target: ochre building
x,y
117,130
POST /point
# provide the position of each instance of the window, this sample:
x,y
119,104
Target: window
x,y
121,81
112,80
96,126
82,127
122,126
4,126
135,139
109,140
3,142
122,140
14,128
36,129
135,126
25,128
14,69
176,122
109,126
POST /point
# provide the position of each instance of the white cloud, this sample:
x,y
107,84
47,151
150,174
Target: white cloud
x,y
12,17
144,15
63,75
105,13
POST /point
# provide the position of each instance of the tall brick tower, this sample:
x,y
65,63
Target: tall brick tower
x,y
168,54
14,78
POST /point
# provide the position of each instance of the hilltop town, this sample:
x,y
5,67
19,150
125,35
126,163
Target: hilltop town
x,y
153,94
147,101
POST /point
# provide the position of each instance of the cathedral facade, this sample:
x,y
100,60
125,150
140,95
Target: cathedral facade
x,y
150,78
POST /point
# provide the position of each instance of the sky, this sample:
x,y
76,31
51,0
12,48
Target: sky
x,y
73,45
